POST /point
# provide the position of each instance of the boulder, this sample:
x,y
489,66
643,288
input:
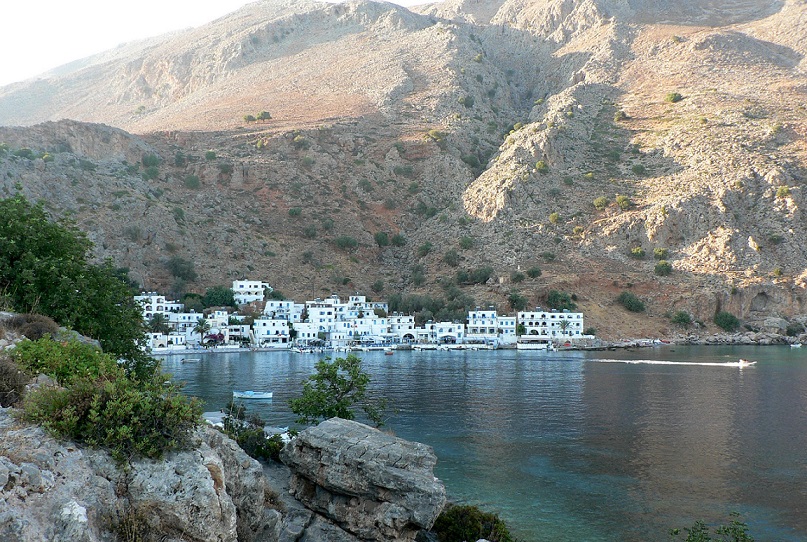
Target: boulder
x,y
52,490
373,485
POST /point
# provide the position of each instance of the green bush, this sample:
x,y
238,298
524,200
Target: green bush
x,y
660,253
517,276
638,169
472,160
210,155
624,202
600,203
33,326
150,160
782,192
467,242
682,318
630,302
12,382
424,249
65,361
673,97
554,218
541,167
345,242
181,268
620,116
294,212
129,418
637,252
663,268
517,301
534,272
150,173
382,238
398,240
726,321
310,232
467,101
378,286
794,329
464,523
192,182
452,258
560,300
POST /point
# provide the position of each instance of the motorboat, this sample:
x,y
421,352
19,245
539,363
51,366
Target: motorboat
x,y
795,345
252,394
189,360
745,363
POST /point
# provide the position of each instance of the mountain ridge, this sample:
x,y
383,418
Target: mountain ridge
x,y
499,121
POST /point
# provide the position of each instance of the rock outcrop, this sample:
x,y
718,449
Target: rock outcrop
x,y
57,491
373,485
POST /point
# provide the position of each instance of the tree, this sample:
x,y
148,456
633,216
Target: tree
x,y
44,268
682,318
663,268
219,296
181,268
159,324
202,326
630,302
517,301
564,326
381,238
336,389
560,301
264,115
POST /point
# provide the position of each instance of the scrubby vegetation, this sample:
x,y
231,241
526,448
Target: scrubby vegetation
x,y
460,523
630,302
726,321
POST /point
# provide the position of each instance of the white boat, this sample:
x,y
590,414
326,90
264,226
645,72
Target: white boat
x,y
745,363
795,345
189,360
252,394
528,342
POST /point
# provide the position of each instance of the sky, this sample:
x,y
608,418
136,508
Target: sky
x,y
38,35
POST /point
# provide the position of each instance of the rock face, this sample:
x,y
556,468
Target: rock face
x,y
61,492
373,485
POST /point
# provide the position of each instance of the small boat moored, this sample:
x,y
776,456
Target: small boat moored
x,y
189,360
795,345
249,394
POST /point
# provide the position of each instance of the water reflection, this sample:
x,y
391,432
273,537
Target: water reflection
x,y
567,448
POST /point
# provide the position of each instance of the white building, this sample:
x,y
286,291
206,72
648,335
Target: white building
x,y
271,333
487,327
247,291
552,324
445,332
284,310
402,327
154,303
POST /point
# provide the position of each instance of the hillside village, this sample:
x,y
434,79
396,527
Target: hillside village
x,y
358,323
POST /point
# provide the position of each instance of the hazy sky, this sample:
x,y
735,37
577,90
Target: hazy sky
x,y
37,35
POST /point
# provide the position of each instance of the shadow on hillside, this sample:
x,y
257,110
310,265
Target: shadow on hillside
x,y
703,13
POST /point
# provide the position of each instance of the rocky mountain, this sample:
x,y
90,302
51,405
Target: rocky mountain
x,y
581,136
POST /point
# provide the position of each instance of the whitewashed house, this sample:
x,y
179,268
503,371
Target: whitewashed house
x,y
402,327
247,291
154,303
271,333
445,332
552,324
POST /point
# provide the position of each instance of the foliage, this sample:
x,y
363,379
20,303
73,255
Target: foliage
x,y
600,203
541,167
660,253
782,192
336,389
128,417
192,182
44,268
682,318
210,155
467,101
560,301
637,252
663,268
264,115
735,531
726,321
794,329
620,116
150,160
424,307
345,242
65,361
249,118
534,272
310,232
467,242
554,217
181,268
12,382
480,275
219,296
377,286
381,238
461,523
33,326
638,169
295,212
418,275
517,301
673,97
249,434
517,276
202,326
398,240
452,258
424,249
590,331
624,202
630,302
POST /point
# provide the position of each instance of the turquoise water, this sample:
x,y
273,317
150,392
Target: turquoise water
x,y
572,446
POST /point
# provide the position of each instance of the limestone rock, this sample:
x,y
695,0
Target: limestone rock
x,y
373,485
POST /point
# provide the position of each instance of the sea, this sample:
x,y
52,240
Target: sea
x,y
578,446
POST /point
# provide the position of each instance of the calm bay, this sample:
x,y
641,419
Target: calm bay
x,y
569,446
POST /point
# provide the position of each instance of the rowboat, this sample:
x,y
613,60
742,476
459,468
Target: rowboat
x,y
252,394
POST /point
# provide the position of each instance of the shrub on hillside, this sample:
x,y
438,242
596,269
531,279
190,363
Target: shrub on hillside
x,y
726,321
630,302
12,382
682,318
663,268
345,242
64,361
33,326
534,272
560,300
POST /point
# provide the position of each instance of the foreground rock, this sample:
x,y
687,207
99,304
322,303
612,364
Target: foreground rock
x,y
61,492
373,485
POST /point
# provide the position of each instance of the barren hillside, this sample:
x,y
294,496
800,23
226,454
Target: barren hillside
x,y
580,137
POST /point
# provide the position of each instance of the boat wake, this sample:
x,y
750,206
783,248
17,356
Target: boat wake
x,y
741,363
